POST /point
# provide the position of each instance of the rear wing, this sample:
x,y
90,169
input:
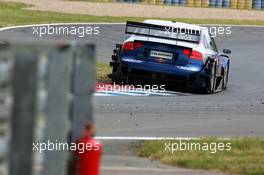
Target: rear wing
x,y
164,32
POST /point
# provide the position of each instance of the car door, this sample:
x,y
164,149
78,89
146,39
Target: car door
x,y
211,44
209,52
218,58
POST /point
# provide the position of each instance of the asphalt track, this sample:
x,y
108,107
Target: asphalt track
x,y
238,111
235,112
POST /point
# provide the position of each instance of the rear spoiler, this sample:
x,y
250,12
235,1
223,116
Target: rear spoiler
x,y
165,32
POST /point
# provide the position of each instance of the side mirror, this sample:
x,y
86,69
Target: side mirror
x,y
227,51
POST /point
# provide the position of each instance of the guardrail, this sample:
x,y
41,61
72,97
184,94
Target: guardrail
x,y
233,4
43,83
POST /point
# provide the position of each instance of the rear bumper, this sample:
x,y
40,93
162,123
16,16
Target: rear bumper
x,y
159,68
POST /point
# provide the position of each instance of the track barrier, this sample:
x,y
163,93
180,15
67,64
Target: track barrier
x,y
45,95
233,4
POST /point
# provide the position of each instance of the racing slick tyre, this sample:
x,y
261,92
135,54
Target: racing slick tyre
x,y
225,78
211,80
117,75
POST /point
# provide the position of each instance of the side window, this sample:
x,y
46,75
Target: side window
x,y
208,40
213,44
205,43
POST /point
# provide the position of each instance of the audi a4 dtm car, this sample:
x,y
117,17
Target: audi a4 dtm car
x,y
181,54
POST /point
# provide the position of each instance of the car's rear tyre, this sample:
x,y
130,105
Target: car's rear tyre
x,y
211,80
117,74
225,78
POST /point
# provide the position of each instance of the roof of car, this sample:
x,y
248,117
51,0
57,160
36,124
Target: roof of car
x,y
173,24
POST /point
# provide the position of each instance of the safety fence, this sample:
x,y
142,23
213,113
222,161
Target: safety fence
x,y
233,4
45,94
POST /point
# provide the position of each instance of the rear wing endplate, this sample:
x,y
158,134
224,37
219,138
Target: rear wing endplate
x,y
164,32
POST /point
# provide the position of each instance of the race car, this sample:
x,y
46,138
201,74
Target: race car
x,y
183,55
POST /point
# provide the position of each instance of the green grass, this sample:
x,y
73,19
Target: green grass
x,y
15,14
245,158
102,71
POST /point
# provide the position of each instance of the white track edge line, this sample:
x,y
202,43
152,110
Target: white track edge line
x,y
54,24
151,138
107,168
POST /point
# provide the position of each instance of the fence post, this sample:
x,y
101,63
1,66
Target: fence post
x,y
57,116
84,82
23,113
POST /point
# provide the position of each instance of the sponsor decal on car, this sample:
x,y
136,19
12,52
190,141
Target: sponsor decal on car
x,y
194,69
159,54
132,60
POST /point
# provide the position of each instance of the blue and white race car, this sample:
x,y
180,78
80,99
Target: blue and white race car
x,y
182,55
